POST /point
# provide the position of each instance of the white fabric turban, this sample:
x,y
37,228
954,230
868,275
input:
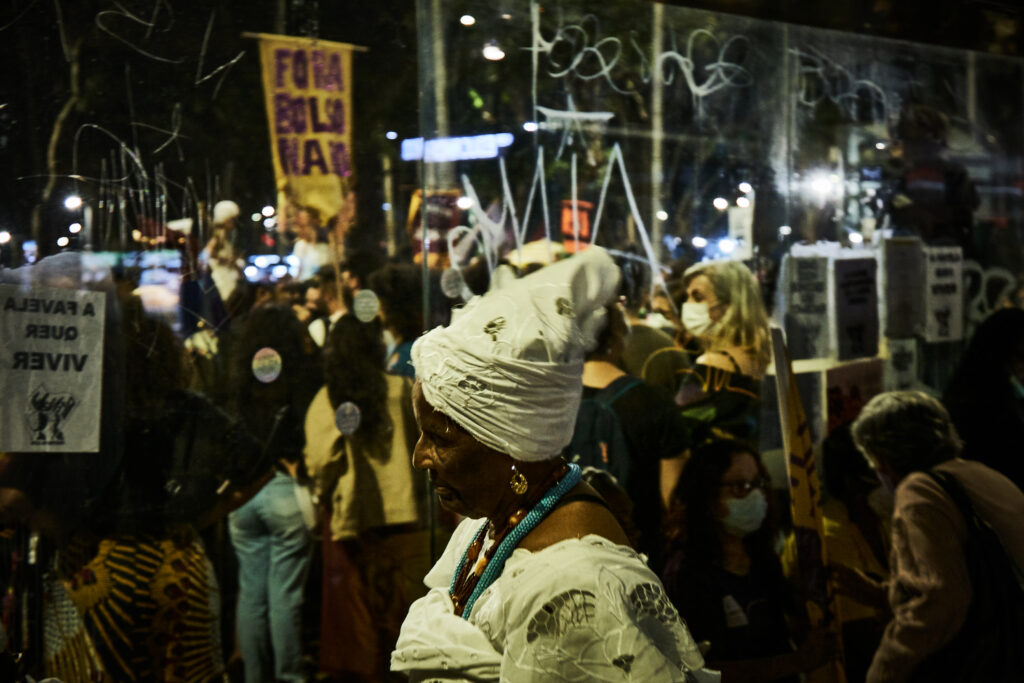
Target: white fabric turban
x,y
509,368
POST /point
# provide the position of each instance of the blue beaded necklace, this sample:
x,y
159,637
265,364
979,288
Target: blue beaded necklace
x,y
497,562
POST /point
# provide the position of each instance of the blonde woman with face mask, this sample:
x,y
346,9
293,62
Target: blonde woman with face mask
x,y
718,395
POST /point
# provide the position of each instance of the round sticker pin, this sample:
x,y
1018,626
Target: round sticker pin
x,y
266,365
367,305
347,418
451,283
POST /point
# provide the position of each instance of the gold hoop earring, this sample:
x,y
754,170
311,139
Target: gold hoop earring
x,y
518,483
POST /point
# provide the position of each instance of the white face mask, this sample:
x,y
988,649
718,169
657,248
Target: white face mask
x,y
696,317
745,515
881,503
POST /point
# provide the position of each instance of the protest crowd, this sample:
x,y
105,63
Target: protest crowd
x,y
764,426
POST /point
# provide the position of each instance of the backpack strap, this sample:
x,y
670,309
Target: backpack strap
x,y
975,522
611,393
735,365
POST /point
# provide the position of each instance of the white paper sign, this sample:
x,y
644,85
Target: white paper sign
x,y
856,308
51,369
806,306
904,287
944,298
901,365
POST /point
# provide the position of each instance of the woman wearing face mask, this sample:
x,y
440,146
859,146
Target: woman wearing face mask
x,y
724,314
722,573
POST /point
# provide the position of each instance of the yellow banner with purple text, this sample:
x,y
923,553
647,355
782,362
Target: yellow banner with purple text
x,y
307,85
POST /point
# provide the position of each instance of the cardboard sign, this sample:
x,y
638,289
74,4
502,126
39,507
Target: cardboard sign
x,y
856,308
944,294
904,287
806,306
51,369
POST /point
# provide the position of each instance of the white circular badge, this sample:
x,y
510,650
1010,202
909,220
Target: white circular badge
x,y
451,283
347,418
366,305
266,365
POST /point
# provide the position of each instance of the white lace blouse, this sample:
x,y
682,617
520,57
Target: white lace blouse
x,y
579,610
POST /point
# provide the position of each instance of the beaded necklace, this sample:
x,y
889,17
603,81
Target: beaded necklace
x,y
468,584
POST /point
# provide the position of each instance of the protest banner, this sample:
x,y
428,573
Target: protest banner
x,y
849,387
307,86
805,505
51,369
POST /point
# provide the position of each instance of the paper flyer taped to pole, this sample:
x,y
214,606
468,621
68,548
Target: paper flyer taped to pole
x,y
51,369
805,506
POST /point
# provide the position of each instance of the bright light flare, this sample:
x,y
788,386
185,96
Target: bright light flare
x,y
493,52
267,211
75,228
467,20
720,203
63,241
726,245
662,215
746,187
73,202
464,203
742,202
699,242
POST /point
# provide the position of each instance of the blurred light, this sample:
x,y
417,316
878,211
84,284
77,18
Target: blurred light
x,y
833,178
386,206
251,273
879,145
856,238
820,184
746,187
464,203
75,228
785,230
73,202
742,202
726,245
256,217
261,261
292,260
530,126
506,16
136,235
493,52
391,135
662,215
467,20
62,241
699,242
5,237
279,271
269,222
267,211
720,203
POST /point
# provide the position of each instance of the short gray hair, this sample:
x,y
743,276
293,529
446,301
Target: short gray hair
x,y
907,430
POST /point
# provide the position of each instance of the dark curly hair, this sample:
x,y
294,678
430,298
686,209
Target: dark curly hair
x,y
354,371
691,525
259,404
399,286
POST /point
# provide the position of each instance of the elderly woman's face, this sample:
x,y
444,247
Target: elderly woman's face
x,y
466,475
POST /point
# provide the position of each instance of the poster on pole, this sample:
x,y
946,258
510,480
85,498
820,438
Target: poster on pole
x,y
944,294
903,286
856,308
307,86
806,306
51,369
850,386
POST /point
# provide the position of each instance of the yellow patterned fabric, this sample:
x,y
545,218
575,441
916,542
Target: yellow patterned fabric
x,y
149,610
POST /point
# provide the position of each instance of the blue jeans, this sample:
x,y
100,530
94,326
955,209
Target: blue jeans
x,y
273,546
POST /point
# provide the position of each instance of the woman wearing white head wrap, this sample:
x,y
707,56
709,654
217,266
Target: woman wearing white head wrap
x,y
540,582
